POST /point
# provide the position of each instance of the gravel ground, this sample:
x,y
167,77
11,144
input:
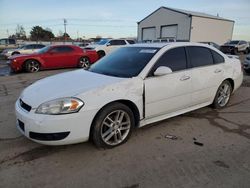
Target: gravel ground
x,y
211,149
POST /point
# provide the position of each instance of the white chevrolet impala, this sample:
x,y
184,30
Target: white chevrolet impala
x,y
131,87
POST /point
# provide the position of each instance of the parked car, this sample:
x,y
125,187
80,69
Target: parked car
x,y
235,47
53,57
133,86
246,64
7,43
105,46
212,44
25,49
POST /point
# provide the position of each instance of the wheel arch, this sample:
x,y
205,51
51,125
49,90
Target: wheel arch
x,y
15,52
231,81
126,102
34,59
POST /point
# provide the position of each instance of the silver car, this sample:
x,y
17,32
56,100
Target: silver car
x,y
25,49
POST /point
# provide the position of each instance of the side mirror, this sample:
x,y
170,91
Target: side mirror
x,y
108,44
162,70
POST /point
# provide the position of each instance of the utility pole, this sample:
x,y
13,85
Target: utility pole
x,y
7,33
64,23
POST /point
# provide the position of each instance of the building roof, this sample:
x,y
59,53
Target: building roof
x,y
190,13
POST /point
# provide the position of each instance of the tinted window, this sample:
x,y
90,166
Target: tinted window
x,y
234,42
125,62
38,46
12,41
217,57
117,42
29,46
200,56
62,49
131,41
242,42
174,59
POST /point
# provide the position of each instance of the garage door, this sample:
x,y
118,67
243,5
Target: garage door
x,y
148,33
169,31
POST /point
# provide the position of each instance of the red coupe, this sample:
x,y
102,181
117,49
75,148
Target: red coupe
x,y
53,57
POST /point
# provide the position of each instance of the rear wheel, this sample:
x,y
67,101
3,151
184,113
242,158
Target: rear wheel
x,y
113,125
84,63
32,66
223,95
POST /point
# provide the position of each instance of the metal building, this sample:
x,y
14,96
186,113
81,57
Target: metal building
x,y
182,25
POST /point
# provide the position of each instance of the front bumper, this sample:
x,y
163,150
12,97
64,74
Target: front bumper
x,y
54,129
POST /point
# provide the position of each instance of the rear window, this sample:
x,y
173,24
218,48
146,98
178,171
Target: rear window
x,y
200,56
217,57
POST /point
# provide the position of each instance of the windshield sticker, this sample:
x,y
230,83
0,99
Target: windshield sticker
x,y
149,51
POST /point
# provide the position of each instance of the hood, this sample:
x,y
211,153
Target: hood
x,y
65,85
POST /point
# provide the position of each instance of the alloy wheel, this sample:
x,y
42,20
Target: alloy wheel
x,y
115,127
84,63
224,94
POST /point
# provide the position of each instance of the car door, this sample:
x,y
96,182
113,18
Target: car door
x,y
28,49
172,92
206,75
59,57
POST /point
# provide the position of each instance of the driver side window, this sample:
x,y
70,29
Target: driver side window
x,y
174,58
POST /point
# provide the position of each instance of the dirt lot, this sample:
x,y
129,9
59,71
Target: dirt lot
x,y
148,159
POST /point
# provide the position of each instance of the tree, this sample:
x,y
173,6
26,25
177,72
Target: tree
x,y
20,33
38,33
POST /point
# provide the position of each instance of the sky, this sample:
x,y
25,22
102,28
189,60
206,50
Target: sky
x,y
110,18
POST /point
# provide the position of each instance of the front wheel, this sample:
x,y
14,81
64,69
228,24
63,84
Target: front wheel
x,y
113,125
223,95
32,66
84,63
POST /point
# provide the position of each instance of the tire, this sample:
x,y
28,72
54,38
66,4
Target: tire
x,y
84,63
112,126
15,53
101,54
247,71
223,95
32,66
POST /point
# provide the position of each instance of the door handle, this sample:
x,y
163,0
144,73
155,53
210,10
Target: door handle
x,y
217,71
183,78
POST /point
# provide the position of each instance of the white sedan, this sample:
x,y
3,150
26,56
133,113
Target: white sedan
x,y
133,86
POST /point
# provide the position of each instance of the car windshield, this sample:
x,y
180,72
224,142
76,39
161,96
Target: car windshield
x,y
22,47
43,50
102,41
234,42
126,62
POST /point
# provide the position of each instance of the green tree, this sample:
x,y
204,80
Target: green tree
x,y
38,33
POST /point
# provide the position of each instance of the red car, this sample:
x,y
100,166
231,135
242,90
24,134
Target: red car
x,y
53,57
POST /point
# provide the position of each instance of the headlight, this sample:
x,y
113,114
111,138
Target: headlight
x,y
60,106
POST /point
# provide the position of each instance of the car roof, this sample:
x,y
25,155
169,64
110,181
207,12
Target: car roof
x,y
163,44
